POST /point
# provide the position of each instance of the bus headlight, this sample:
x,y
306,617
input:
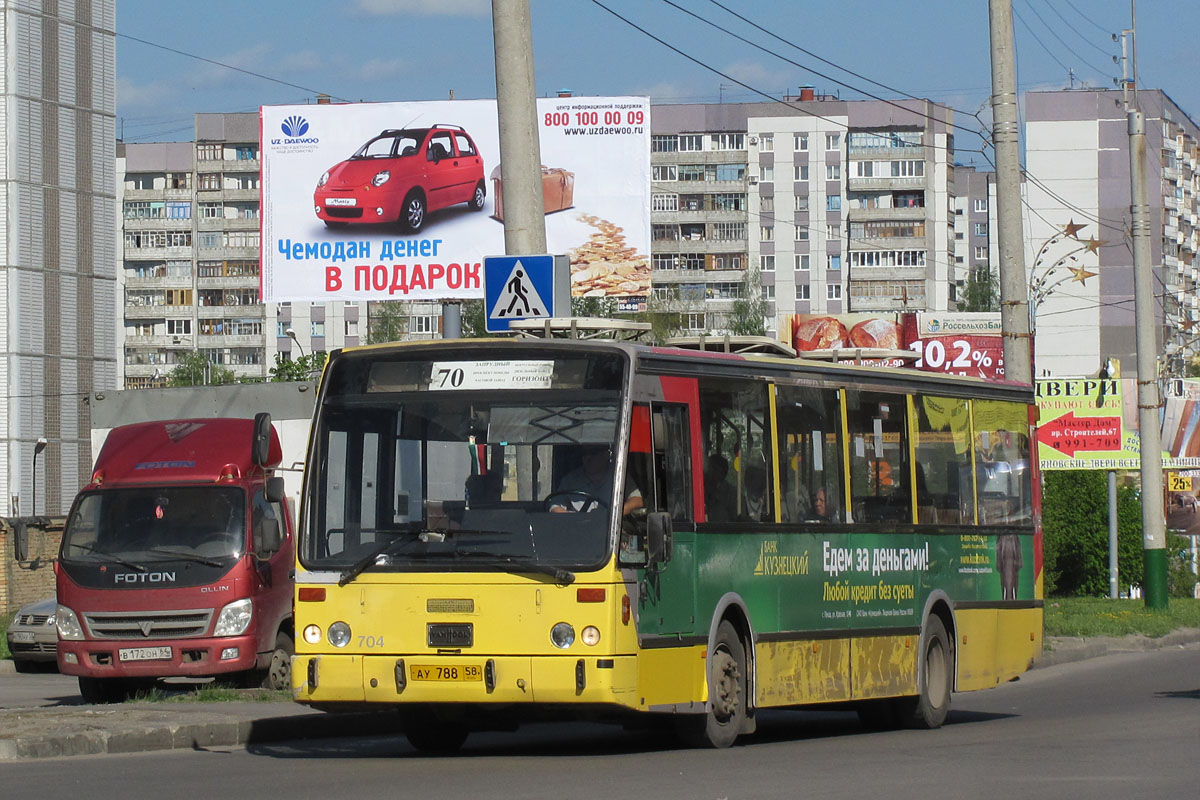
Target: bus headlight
x,y
562,635
590,636
67,624
339,634
235,618
312,633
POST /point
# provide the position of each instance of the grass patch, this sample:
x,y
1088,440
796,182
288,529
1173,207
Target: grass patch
x,y
1097,616
5,621
208,693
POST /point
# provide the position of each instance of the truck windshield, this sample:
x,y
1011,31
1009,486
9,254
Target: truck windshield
x,y
438,478
147,524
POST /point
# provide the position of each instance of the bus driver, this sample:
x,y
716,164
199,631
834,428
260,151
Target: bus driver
x,y
592,481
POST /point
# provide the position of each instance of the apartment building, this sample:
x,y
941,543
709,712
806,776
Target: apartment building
x,y
190,279
57,261
842,206
974,203
1077,156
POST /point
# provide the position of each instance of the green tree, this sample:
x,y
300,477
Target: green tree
x,y
981,292
666,312
474,319
303,368
602,307
194,369
1075,533
747,315
387,321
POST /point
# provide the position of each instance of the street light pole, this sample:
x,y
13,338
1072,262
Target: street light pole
x,y
291,334
37,449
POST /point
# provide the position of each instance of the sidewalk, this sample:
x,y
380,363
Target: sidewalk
x,y
72,730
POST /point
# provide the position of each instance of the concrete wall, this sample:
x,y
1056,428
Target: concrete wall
x,y
26,581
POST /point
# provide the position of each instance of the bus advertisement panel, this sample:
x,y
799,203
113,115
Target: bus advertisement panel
x,y
401,201
609,529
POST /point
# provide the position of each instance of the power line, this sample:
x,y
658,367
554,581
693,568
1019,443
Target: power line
x,y
1075,30
1073,52
1088,19
228,66
1029,28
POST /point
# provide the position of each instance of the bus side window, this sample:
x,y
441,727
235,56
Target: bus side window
x,y
810,454
673,461
943,453
879,463
735,423
1003,481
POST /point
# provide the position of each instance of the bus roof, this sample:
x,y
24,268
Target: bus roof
x,y
179,450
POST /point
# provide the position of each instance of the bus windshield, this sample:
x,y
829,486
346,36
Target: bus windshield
x,y
157,523
433,476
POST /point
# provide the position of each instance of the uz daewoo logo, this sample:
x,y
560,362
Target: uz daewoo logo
x,y
144,577
294,127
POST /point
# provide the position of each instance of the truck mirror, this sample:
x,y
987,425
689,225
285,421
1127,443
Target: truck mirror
x,y
269,539
274,490
260,445
20,540
658,537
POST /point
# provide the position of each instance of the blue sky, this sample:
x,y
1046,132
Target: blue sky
x,y
379,50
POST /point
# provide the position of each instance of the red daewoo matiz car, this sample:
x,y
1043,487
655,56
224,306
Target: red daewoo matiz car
x,y
401,176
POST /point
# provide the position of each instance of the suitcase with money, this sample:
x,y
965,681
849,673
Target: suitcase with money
x,y
558,190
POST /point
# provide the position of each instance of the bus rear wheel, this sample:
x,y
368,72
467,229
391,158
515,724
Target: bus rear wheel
x,y
928,709
727,715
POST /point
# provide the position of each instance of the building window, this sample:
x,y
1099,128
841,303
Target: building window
x,y
766,263
833,292
766,143
802,202
728,231
665,172
246,153
664,144
209,181
832,230
833,172
209,152
664,202
691,143
729,172
424,324
981,252
835,262
316,328
800,141
728,141
833,141
981,229
801,233
351,327
211,211
768,292
766,203
980,206
803,291
767,174
801,172
908,169
833,202
803,260
766,233
178,210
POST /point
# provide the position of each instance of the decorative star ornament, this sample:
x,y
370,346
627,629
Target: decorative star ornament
x,y
1093,245
1187,325
1071,229
1081,274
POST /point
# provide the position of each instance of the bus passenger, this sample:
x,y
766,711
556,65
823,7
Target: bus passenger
x,y
718,494
821,511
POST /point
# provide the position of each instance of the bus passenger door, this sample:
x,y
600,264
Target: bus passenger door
x,y
660,464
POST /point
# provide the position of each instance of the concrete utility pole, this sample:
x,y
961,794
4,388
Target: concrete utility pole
x,y
1154,534
1014,283
520,149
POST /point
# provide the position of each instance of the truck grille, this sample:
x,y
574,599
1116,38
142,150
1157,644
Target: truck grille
x,y
148,624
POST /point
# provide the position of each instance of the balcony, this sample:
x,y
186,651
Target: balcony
x,y
228,282
862,184
161,340
143,194
900,212
241,165
890,243
159,282
221,340
245,311
155,312
228,224
886,153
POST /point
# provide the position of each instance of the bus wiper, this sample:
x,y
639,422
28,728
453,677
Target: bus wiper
x,y
199,559
560,575
361,565
113,558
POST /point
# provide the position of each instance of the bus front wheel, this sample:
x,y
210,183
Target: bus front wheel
x,y
727,715
928,709
432,733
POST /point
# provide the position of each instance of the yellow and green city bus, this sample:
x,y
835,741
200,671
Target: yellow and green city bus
x,y
496,531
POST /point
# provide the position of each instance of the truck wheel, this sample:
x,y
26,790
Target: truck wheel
x,y
279,673
24,666
928,709
102,691
727,715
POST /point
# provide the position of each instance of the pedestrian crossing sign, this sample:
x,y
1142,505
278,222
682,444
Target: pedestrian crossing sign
x,y
523,287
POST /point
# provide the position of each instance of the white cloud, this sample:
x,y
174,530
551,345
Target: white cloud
x,y
134,96
425,8
753,73
380,68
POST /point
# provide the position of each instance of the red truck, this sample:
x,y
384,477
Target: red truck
x,y
176,560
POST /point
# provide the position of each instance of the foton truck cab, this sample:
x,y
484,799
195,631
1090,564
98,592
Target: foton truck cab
x,y
176,559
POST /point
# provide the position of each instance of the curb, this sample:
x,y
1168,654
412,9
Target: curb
x,y
1068,649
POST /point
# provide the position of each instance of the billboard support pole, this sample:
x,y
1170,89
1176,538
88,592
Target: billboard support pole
x,y
520,149
1112,535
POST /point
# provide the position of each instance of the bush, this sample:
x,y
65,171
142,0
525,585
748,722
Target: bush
x,y
1075,534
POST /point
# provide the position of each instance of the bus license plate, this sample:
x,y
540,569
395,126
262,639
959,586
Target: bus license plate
x,y
144,654
462,672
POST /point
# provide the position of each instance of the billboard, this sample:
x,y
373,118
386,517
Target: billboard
x,y
958,343
402,201
1082,424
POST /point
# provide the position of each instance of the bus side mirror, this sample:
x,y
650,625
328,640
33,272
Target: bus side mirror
x,y
658,537
260,445
274,490
269,539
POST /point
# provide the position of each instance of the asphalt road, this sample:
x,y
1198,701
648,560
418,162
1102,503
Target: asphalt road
x,y
1125,725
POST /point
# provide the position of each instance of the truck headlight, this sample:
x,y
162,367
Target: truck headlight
x,y
68,625
234,618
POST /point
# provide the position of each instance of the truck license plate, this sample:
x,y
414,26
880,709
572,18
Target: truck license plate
x,y
458,672
144,654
